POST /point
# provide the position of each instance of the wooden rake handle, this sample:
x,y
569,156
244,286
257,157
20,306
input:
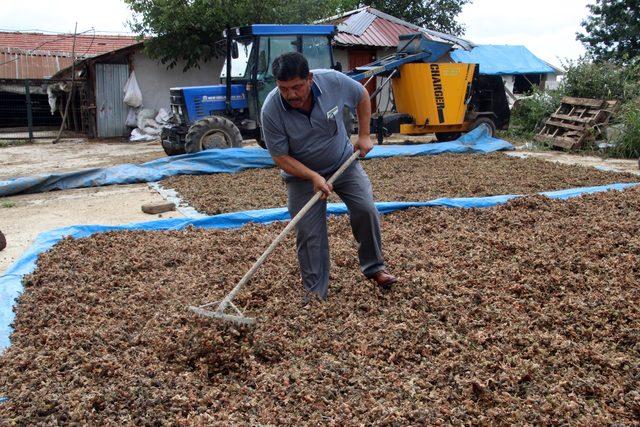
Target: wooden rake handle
x,y
249,274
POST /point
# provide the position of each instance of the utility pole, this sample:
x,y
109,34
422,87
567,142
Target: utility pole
x,y
73,76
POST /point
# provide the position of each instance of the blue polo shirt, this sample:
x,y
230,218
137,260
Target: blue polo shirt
x,y
317,140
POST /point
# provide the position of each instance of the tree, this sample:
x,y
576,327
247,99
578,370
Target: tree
x,y
191,30
612,30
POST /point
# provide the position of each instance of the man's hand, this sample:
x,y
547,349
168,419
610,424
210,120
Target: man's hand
x,y
321,184
364,144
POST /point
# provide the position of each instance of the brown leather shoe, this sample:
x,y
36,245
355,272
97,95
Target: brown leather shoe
x,y
383,279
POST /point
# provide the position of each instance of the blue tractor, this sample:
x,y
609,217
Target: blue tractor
x,y
221,116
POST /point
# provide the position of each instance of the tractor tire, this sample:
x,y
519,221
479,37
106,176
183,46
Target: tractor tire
x,y
170,148
212,132
3,241
488,122
447,136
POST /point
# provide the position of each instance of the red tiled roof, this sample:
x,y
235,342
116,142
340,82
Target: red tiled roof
x,y
86,44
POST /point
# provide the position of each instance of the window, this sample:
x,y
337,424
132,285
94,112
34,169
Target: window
x,y
317,51
239,65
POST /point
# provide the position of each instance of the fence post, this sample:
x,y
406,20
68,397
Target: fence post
x,y
27,92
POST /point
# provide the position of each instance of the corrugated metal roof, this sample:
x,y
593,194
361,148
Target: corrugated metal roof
x,y
382,31
20,64
357,24
86,44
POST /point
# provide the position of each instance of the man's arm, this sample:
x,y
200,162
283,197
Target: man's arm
x,y
297,169
363,111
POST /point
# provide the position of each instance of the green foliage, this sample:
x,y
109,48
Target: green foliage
x,y
528,113
191,30
602,80
627,143
612,30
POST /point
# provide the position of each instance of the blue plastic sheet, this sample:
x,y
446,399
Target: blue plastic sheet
x,y
225,160
11,281
503,59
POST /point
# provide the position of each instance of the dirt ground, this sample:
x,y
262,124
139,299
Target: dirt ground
x,y
523,314
23,217
31,214
73,155
618,165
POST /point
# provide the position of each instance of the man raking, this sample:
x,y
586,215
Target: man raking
x,y
302,122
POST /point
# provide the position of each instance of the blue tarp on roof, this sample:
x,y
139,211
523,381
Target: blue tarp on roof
x,y
503,59
11,281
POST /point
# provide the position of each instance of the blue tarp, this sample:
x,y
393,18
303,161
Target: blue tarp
x,y
503,59
225,160
11,281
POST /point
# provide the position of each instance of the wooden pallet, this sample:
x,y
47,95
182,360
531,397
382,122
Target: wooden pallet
x,y
576,122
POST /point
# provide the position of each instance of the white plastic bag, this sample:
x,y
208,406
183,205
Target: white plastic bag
x,y
145,116
132,93
52,100
132,118
138,135
163,117
152,131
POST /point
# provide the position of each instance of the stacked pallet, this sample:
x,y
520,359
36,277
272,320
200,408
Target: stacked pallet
x,y
576,123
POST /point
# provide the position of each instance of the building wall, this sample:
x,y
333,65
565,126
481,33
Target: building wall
x,y
155,80
341,54
551,82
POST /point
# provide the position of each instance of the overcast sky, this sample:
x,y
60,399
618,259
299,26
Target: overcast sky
x,y
546,27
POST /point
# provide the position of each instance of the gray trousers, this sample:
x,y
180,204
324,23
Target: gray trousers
x,y
354,188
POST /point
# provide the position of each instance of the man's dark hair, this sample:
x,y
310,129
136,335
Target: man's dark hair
x,y
289,66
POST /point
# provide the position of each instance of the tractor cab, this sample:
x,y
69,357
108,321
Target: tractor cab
x,y
253,49
221,116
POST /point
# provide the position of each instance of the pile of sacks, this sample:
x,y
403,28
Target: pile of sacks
x,y
147,123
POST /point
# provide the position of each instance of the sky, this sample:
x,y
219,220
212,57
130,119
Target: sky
x,y
546,27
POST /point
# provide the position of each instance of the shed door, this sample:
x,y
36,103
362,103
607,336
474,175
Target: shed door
x,y
111,110
364,57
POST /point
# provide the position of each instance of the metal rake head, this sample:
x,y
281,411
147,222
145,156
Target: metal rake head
x,y
219,313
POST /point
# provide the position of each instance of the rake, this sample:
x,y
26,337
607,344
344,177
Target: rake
x,y
236,315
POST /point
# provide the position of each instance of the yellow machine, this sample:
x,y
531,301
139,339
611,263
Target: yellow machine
x,y
435,96
446,99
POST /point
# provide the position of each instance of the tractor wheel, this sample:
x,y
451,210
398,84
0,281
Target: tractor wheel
x,y
447,136
3,241
488,122
171,148
212,132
